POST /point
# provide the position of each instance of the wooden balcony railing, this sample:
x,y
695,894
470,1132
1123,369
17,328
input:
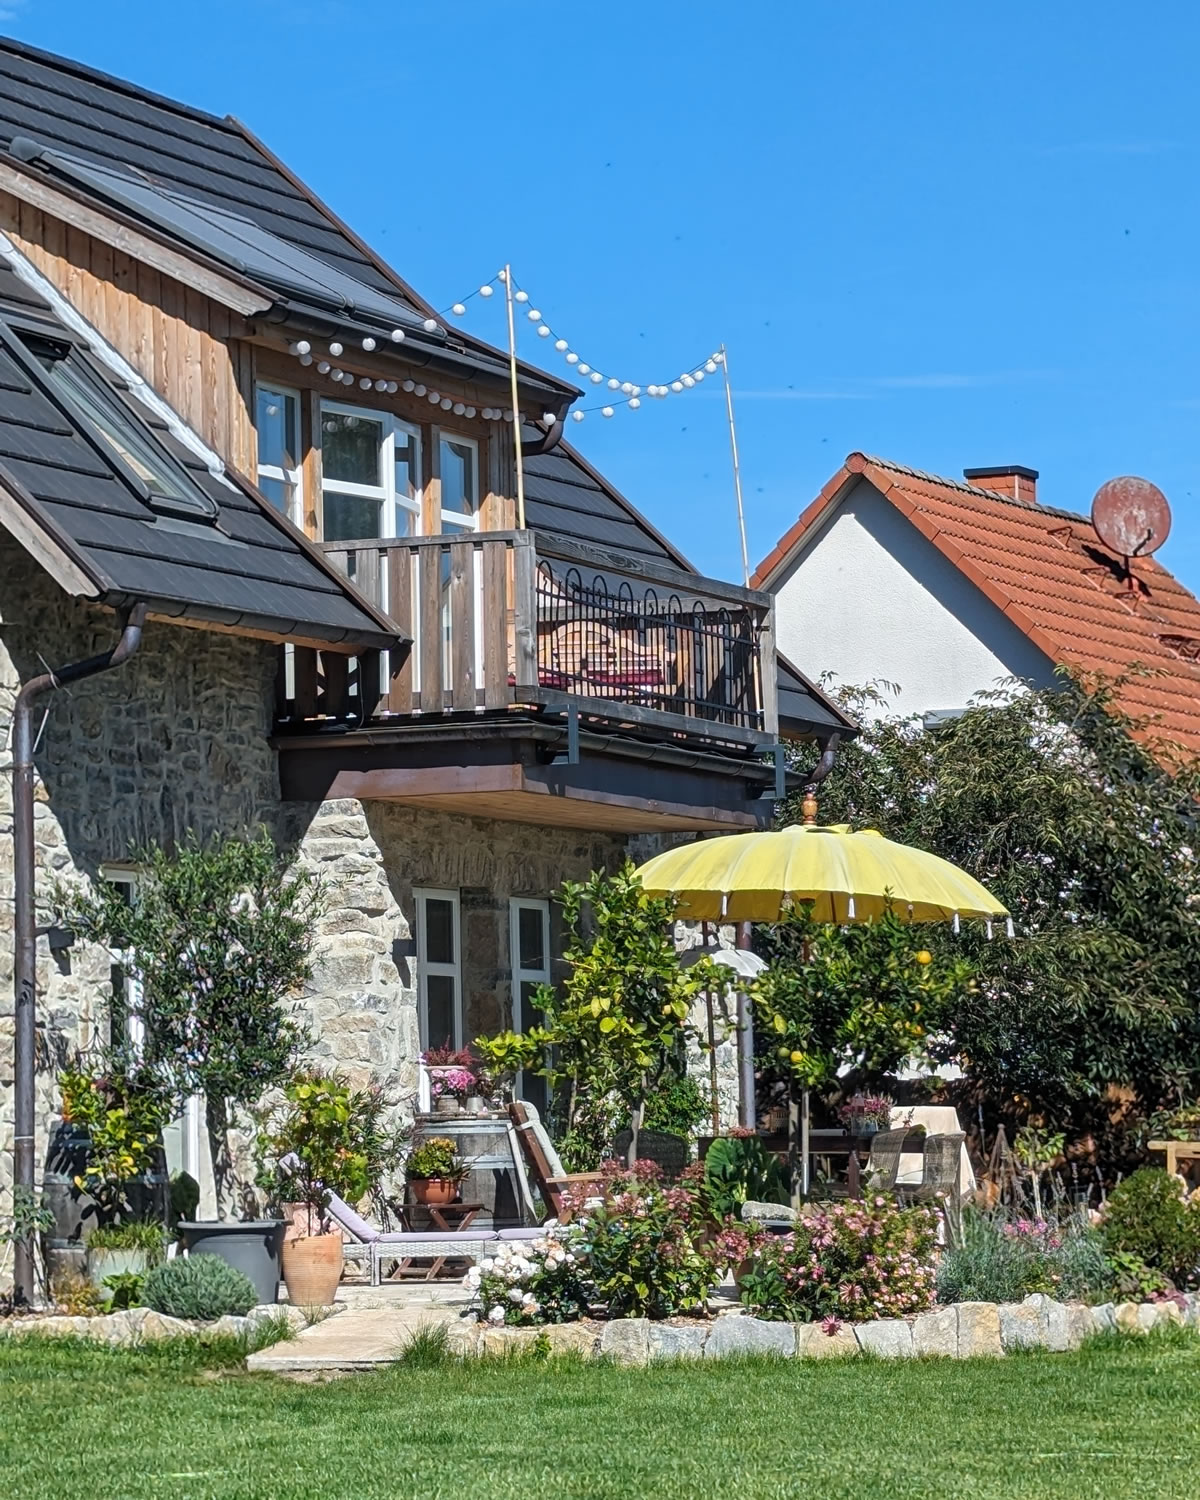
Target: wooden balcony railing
x,y
501,618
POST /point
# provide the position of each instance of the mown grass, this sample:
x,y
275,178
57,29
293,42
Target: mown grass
x,y
1121,1417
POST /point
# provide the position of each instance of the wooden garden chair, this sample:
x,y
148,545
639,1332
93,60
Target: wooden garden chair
x,y
545,1166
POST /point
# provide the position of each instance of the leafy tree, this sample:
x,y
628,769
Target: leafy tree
x,y
620,1023
218,940
861,998
1083,821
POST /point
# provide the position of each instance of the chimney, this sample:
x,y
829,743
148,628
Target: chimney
x,y
1013,481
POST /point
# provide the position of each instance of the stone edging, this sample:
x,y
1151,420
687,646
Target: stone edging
x,y
139,1325
961,1330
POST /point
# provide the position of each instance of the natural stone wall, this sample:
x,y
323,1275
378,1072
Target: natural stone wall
x,y
963,1330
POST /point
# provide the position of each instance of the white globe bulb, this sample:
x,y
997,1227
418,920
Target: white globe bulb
x,y
572,358
486,291
688,381
447,404
677,385
627,387
584,368
521,296
408,385
548,417
543,332
597,378
397,335
718,358
698,376
560,345
381,385
434,397
368,344
577,416
306,359
335,350
365,383
652,390
634,403
430,325
711,366
470,411
459,408
614,384
606,411
323,367
418,390
303,347
533,315
392,387
335,375
508,416
458,309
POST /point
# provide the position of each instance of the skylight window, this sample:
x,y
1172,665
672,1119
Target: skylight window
x,y
163,483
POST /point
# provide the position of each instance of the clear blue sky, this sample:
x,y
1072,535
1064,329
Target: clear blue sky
x,y
952,234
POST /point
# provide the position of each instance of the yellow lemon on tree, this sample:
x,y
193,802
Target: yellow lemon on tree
x,y
923,956
797,1057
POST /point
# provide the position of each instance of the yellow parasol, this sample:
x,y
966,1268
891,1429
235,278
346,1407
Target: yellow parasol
x,y
849,877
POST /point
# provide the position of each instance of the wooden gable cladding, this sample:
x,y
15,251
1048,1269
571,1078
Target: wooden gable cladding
x,y
191,349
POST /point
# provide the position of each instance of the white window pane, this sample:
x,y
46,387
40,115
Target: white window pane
x,y
351,445
350,517
275,419
458,477
439,931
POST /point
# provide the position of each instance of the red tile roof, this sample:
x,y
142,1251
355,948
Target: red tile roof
x,y
1051,575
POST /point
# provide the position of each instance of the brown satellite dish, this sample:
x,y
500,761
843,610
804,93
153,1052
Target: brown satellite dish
x,y
1131,516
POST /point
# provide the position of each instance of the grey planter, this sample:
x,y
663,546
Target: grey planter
x,y
104,1263
254,1247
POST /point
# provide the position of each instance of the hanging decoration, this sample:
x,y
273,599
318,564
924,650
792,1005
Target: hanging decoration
x,y
620,392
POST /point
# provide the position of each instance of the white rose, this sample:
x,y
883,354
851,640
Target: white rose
x,y
515,1295
496,1315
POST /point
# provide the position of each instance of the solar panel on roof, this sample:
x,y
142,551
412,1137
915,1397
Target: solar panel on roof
x,y
228,237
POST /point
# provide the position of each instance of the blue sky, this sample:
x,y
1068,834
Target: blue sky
x,y
952,234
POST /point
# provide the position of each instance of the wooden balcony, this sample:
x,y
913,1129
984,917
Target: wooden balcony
x,y
504,621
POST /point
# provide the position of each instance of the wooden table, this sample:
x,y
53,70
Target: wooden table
x,y
448,1218
1177,1151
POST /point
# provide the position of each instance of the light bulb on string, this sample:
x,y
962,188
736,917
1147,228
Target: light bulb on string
x,y
606,411
323,367
677,385
397,335
408,385
458,309
572,358
459,408
418,390
584,369
597,378
486,291
711,366
614,384
561,345
430,325
543,332
306,359
633,403
368,344
520,296
335,349
533,315
577,416
446,404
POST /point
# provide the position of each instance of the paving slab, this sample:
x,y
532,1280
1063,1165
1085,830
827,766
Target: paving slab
x,y
358,1338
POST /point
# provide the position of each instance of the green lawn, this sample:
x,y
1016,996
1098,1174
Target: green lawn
x,y
1121,1418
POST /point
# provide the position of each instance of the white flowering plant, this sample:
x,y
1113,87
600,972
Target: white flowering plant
x,y
532,1281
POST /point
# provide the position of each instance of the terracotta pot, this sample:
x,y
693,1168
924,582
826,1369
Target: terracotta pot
x,y
437,1190
312,1268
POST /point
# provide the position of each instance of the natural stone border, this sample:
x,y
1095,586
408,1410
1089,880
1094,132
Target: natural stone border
x,y
962,1330
139,1325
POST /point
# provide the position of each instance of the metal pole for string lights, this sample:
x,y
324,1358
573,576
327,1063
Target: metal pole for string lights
x,y
516,406
737,472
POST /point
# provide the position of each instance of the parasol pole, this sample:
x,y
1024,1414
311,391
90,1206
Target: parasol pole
x,y
737,472
747,1104
713,1089
516,405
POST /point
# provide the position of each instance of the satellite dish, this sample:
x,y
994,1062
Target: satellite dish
x,y
1131,516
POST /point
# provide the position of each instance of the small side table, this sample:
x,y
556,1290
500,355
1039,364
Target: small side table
x,y
1177,1151
448,1218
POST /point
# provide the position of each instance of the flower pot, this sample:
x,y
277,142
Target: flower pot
x,y
312,1268
446,1104
104,1263
252,1247
435,1190
476,1105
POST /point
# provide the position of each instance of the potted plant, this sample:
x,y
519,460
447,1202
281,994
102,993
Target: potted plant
x,y
218,938
866,1114
126,1249
312,1147
435,1171
451,1087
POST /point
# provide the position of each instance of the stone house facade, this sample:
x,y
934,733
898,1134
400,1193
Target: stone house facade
x,y
445,678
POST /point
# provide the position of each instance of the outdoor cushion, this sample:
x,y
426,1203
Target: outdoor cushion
x,y
553,1160
522,1234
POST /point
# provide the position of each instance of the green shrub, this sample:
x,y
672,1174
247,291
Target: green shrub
x,y
1149,1215
675,1105
996,1259
738,1169
203,1287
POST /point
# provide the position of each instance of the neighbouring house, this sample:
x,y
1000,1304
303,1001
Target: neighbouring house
x,y
944,587
217,401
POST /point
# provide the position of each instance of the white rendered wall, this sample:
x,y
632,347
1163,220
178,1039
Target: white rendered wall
x,y
870,598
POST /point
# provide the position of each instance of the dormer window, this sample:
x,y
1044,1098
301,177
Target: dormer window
x,y
164,484
370,468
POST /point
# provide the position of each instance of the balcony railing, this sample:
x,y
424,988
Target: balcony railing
x,y
502,618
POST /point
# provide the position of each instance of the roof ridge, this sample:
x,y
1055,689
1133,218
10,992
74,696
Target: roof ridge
x,y
1035,506
110,80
